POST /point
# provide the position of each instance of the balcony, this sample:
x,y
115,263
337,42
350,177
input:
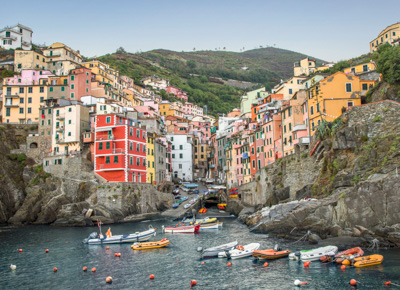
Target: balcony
x,y
299,128
120,165
118,151
60,116
11,105
60,128
304,141
104,137
12,96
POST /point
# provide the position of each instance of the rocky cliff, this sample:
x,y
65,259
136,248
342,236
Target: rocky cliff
x,y
352,175
69,194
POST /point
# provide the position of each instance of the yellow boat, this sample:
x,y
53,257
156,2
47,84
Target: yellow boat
x,y
150,245
368,261
206,221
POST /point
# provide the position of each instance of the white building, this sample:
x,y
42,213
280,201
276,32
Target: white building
x,y
15,37
182,156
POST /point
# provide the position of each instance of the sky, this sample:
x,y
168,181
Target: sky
x,y
328,30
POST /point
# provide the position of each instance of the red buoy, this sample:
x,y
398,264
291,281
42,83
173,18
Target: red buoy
x,y
84,269
343,267
109,280
229,264
20,250
387,283
151,276
193,283
107,248
202,263
55,269
306,264
93,269
353,282
265,264
47,250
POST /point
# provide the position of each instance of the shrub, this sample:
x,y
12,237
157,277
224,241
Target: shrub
x,y
364,138
304,155
377,119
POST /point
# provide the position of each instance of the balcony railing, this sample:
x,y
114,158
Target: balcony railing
x,y
11,105
118,151
60,116
104,137
12,96
304,140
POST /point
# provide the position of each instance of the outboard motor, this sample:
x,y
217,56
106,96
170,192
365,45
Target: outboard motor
x,y
91,236
228,255
297,254
199,249
276,248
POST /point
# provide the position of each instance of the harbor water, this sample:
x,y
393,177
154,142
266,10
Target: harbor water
x,y
173,267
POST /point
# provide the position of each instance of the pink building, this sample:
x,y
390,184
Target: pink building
x,y
177,92
80,83
273,134
152,104
29,77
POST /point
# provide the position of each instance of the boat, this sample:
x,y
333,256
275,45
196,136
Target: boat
x,y
240,251
213,252
233,193
150,245
175,205
205,220
177,196
184,199
211,226
270,254
181,229
340,257
221,205
108,238
314,254
187,205
203,210
364,261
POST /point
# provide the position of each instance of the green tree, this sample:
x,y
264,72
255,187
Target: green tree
x,y
387,60
191,64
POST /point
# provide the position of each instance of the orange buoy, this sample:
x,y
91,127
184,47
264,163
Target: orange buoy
x,y
183,224
155,229
193,282
343,267
109,280
229,264
152,276
306,264
107,248
47,250
202,263
93,269
117,254
353,282
265,264
55,269
20,250
387,283
84,269
176,224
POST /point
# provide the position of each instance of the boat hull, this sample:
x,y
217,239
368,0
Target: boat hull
x,y
140,237
213,252
270,254
150,245
314,254
182,230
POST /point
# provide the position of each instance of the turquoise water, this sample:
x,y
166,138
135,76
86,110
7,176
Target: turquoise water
x,y
173,267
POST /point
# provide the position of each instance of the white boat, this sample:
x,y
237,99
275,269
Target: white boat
x,y
211,226
187,205
181,229
96,239
240,251
314,254
213,252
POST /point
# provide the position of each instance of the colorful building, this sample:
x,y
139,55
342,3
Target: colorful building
x,y
304,67
14,37
361,68
120,149
389,35
151,168
80,83
29,59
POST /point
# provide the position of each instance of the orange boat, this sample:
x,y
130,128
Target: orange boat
x,y
203,210
340,257
270,254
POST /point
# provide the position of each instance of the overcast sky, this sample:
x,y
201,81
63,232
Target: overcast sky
x,y
329,30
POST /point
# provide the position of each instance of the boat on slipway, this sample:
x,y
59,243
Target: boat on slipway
x,y
98,239
240,251
213,252
181,229
211,226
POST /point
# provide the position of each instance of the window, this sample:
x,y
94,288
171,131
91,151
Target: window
x,y
365,67
172,138
108,120
41,99
137,161
131,160
69,133
312,126
180,155
312,110
254,164
364,87
72,95
130,131
21,90
30,90
181,147
348,88
107,159
8,112
72,78
115,159
173,147
144,162
318,107
137,133
144,135
30,100
394,33
51,89
173,156
290,91
290,126
100,146
107,145
21,100
29,110
21,110
144,149
137,147
72,87
350,104
62,89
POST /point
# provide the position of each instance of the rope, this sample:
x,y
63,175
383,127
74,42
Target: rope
x,y
303,237
374,243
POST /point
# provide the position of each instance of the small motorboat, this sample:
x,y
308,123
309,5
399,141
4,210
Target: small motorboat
x,y
314,254
364,261
340,257
184,198
240,251
177,196
150,245
271,254
95,239
206,220
203,210
181,229
213,252
186,206
175,205
211,226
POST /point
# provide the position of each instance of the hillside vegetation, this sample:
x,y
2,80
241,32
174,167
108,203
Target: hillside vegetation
x,y
191,71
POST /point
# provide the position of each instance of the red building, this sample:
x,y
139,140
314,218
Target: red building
x,y
80,83
120,149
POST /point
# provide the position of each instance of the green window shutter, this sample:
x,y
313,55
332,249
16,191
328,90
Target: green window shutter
x,y
100,146
107,159
115,159
108,145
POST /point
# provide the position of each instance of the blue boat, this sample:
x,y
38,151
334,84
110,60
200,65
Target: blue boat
x,y
176,205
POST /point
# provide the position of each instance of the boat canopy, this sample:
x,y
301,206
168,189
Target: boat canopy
x,y
190,185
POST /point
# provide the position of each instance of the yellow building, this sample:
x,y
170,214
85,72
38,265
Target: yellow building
x,y
304,67
361,68
21,102
329,98
101,70
61,58
389,35
151,169
28,59
290,87
170,109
